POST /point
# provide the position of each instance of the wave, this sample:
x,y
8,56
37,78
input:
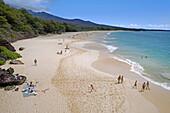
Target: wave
x,y
107,42
138,69
109,33
111,48
109,38
165,76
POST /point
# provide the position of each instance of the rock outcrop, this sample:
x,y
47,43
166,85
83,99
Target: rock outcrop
x,y
21,48
16,62
10,71
9,80
7,45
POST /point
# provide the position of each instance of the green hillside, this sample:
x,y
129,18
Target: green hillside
x,y
17,24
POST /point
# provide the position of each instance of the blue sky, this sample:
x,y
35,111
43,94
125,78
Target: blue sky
x,y
126,13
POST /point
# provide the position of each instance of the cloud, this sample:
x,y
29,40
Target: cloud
x,y
29,4
158,26
120,25
134,25
149,26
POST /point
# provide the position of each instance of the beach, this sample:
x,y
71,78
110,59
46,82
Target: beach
x,y
68,77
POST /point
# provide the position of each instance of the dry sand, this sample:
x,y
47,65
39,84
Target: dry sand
x,y
69,76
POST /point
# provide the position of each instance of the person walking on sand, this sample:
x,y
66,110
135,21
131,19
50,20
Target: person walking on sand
x,y
92,88
143,86
135,85
147,85
118,79
35,61
122,79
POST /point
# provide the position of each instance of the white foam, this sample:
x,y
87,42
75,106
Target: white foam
x,y
109,33
111,48
106,42
109,38
138,69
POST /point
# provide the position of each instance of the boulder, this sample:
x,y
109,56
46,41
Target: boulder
x,y
21,48
7,45
10,71
8,88
10,80
16,62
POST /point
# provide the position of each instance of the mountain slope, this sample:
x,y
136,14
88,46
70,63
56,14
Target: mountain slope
x,y
78,22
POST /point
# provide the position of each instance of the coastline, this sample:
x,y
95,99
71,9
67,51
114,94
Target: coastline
x,y
69,76
108,64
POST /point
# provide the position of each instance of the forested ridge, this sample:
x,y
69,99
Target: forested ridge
x,y
17,24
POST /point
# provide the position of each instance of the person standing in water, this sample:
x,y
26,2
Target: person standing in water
x,y
35,61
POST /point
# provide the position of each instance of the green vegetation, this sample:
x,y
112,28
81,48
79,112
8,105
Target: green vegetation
x,y
17,24
24,23
2,61
9,54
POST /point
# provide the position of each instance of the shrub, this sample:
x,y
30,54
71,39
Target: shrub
x,y
12,36
2,61
9,54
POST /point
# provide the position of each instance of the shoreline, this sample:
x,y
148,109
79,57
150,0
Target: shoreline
x,y
104,63
69,76
157,95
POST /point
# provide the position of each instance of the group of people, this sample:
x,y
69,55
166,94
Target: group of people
x,y
30,89
120,79
145,85
144,56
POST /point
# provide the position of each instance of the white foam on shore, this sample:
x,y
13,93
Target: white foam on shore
x,y
110,38
111,48
109,33
138,69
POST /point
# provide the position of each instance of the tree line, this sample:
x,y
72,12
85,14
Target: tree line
x,y
21,23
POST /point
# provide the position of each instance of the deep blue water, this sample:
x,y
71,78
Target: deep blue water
x,y
151,49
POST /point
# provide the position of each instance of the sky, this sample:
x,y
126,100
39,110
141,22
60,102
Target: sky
x,y
153,14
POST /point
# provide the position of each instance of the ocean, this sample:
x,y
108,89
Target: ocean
x,y
148,53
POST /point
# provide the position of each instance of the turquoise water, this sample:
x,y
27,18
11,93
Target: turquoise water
x,y
148,52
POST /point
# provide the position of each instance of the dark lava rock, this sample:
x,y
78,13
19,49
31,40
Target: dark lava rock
x,y
8,88
7,45
16,62
10,80
10,71
21,48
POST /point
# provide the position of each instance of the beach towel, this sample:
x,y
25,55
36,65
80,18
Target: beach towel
x,y
25,91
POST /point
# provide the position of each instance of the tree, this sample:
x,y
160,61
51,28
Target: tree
x,y
3,22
